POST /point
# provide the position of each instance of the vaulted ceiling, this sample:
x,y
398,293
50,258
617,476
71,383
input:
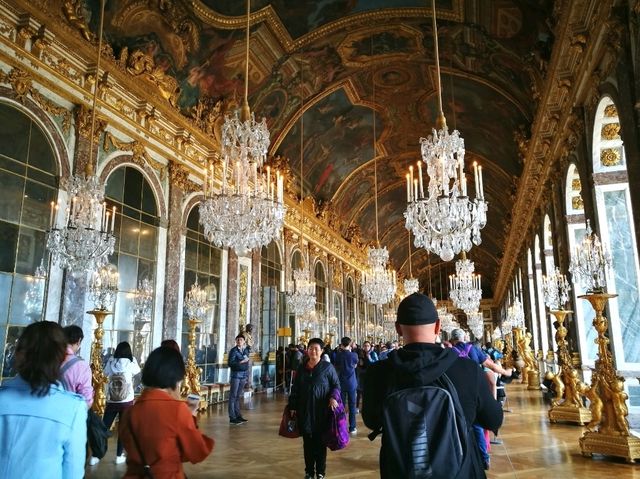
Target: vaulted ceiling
x,y
341,63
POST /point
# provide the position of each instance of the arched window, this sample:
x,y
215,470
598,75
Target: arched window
x,y
549,266
136,231
540,311
321,291
28,172
576,230
270,281
616,230
203,261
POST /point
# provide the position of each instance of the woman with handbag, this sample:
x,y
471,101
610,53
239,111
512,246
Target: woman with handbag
x,y
160,431
310,400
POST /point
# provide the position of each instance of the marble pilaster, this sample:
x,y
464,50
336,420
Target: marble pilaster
x,y
174,259
254,313
232,300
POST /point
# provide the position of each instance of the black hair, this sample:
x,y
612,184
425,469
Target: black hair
x,y
123,350
240,336
317,341
170,343
73,334
39,353
164,368
346,341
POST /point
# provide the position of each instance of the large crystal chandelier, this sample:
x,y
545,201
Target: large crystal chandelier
x,y
464,286
556,290
301,296
249,210
196,302
515,314
379,282
445,220
411,284
447,320
85,239
590,262
103,287
475,323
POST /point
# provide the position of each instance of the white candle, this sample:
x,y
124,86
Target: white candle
x,y
480,179
464,185
475,178
411,175
108,216
420,179
408,188
51,215
103,225
415,188
113,218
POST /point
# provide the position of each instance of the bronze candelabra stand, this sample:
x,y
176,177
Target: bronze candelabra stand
x,y
530,371
608,431
191,384
567,404
98,378
508,352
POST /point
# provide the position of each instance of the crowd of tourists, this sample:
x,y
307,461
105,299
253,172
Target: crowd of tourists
x,y
434,403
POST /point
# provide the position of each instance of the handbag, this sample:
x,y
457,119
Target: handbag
x,y
336,436
289,425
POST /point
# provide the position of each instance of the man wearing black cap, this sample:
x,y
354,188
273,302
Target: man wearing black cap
x,y
419,363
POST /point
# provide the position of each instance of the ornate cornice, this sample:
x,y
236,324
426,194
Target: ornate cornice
x,y
594,38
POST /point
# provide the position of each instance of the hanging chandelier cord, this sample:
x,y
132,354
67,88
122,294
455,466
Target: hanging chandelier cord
x,y
375,156
409,239
96,86
246,112
301,161
441,122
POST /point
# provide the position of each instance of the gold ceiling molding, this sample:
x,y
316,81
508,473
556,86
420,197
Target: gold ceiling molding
x,y
610,131
22,85
139,154
271,18
179,177
82,116
547,146
72,10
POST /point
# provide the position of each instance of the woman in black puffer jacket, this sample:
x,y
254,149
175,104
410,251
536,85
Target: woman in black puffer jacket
x,y
310,401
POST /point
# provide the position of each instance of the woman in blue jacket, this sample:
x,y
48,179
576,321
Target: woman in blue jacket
x,y
43,428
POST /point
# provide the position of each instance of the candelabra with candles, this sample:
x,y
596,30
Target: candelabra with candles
x,y
567,404
522,341
476,323
34,297
411,284
608,431
465,288
196,306
249,210
103,289
332,329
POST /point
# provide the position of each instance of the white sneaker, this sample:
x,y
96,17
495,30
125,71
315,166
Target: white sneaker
x,y
353,432
93,461
121,459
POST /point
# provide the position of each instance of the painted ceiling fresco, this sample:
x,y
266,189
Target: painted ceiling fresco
x,y
342,59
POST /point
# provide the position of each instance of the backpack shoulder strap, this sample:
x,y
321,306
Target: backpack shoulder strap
x,y
65,367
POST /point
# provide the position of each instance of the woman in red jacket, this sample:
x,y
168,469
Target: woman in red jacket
x,y
160,431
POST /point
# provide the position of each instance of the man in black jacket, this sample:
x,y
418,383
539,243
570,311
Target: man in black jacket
x,y
420,363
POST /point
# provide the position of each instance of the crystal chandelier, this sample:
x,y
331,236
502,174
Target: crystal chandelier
x,y
34,297
85,239
556,290
447,321
249,210
590,262
301,297
464,286
445,221
515,315
379,282
475,323
411,284
497,334
103,287
143,300
196,302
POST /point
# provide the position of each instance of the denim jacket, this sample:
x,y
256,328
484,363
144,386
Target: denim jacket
x,y
238,370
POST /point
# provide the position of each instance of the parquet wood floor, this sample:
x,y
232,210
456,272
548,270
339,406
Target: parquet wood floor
x,y
533,448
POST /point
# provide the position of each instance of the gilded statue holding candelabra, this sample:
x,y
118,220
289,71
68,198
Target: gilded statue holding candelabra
x,y
608,431
530,371
196,306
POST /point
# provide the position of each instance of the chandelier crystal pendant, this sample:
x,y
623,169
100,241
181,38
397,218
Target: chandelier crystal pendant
x,y
465,286
590,262
556,290
103,287
445,221
85,240
249,210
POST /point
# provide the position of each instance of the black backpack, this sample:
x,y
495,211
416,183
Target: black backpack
x,y
425,433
